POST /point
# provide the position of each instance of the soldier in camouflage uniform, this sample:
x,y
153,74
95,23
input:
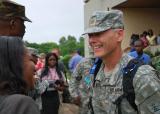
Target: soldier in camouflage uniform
x,y
106,32
12,17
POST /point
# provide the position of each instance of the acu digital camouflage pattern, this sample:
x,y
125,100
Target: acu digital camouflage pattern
x,y
103,20
156,62
108,87
10,9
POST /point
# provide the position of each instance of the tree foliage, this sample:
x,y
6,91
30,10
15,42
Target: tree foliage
x,y
66,45
62,40
71,44
43,47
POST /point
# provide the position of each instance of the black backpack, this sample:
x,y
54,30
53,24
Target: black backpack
x,y
128,90
127,83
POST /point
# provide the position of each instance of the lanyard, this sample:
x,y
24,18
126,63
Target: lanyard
x,y
88,79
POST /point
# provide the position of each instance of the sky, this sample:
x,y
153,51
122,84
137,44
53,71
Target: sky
x,y
52,19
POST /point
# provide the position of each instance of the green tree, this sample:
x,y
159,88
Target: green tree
x,y
43,47
47,47
80,45
68,46
62,40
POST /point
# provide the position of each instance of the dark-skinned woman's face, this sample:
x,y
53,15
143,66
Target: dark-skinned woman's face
x,y
52,61
29,70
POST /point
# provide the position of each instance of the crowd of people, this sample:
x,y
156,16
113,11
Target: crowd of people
x,y
111,82
139,45
148,38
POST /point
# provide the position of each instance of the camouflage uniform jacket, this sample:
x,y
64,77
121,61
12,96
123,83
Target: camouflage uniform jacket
x,y
108,87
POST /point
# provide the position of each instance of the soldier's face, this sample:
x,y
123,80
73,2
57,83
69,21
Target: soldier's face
x,y
105,43
17,27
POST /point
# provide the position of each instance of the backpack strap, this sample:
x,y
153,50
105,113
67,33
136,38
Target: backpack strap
x,y
93,72
128,90
97,63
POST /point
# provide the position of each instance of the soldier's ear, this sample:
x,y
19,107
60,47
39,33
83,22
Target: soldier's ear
x,y
12,23
120,35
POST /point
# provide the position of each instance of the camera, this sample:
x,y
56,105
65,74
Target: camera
x,y
54,83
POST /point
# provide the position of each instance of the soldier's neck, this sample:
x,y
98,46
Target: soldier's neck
x,y
112,60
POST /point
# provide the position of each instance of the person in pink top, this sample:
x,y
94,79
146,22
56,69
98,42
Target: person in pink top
x,y
51,73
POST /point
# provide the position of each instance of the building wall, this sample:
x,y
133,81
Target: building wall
x,y
112,3
139,19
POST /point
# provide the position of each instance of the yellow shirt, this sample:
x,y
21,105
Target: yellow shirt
x,y
151,40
